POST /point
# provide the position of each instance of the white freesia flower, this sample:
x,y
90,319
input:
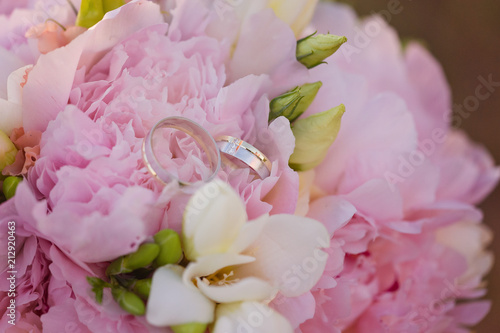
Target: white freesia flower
x,y
186,305
233,260
11,101
249,317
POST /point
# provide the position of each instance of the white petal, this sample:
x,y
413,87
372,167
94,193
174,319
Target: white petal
x,y
246,289
11,113
249,233
171,302
14,88
210,264
212,220
288,253
242,288
249,317
11,116
10,62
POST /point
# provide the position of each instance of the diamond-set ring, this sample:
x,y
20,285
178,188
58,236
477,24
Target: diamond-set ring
x,y
233,149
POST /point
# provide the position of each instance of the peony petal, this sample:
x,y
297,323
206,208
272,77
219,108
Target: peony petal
x,y
429,82
171,302
296,309
258,51
249,317
376,199
334,212
471,314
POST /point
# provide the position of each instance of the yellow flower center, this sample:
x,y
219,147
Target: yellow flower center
x,y
222,277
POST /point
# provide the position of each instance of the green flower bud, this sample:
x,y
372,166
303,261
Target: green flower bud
x,y
170,247
294,103
116,267
284,104
7,151
142,288
313,137
92,11
190,328
313,49
128,301
10,186
144,256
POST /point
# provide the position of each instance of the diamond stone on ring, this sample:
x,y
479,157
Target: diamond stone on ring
x,y
246,153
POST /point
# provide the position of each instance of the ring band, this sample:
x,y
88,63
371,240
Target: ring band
x,y
246,153
198,133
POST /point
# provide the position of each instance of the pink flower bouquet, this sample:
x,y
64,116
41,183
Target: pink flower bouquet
x,y
224,166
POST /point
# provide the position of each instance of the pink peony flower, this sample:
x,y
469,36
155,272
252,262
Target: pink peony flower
x,y
31,275
405,175
396,183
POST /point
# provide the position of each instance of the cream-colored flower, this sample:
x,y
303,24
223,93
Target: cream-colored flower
x,y
235,261
185,304
297,13
470,240
11,100
249,317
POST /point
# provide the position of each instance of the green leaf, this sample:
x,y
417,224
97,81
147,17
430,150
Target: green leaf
x,y
92,11
294,103
98,286
170,247
313,137
109,5
10,186
314,49
190,328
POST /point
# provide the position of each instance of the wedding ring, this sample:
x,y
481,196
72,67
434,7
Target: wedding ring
x,y
246,153
198,133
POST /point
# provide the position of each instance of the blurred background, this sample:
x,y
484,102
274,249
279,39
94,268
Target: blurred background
x,y
465,38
